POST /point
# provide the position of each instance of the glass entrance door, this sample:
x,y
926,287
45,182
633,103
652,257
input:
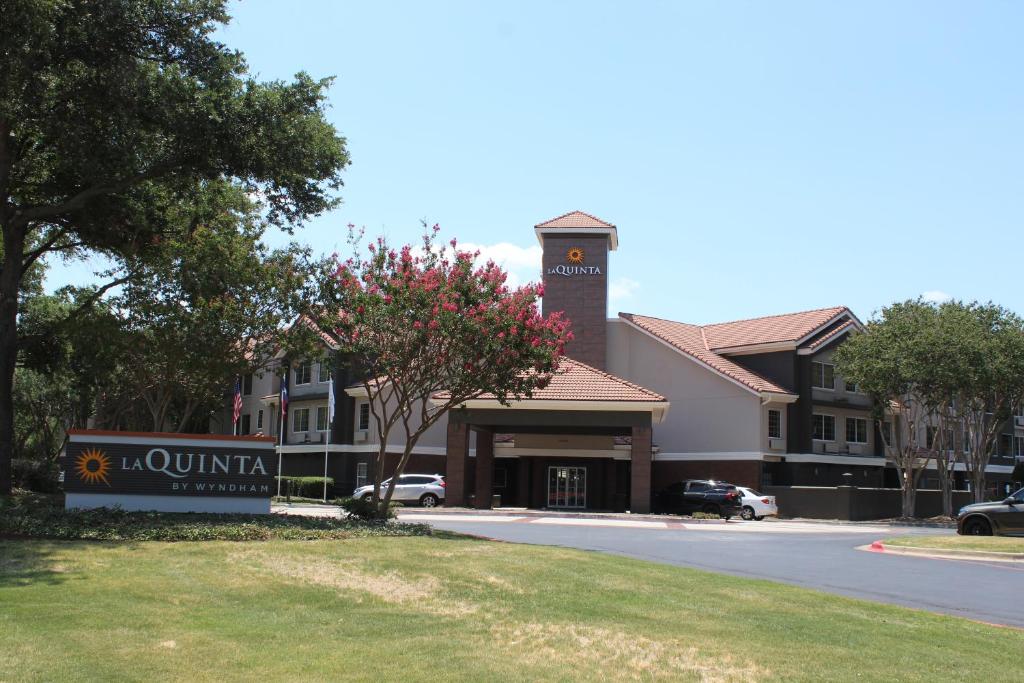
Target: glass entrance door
x,y
567,487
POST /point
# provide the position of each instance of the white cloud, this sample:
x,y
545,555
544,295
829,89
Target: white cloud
x,y
935,296
622,288
522,264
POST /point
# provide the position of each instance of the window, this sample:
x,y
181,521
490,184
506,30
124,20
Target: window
x,y
929,436
967,442
697,486
1005,445
500,478
823,375
321,419
246,424
259,420
852,387
364,416
360,474
303,373
774,424
824,427
1018,446
247,385
856,430
887,432
325,372
414,480
300,421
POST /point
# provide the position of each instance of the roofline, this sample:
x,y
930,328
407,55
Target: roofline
x,y
658,409
693,358
845,312
811,350
747,349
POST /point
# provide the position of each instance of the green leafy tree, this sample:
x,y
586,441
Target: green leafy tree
x,y
888,361
992,384
116,114
205,309
430,331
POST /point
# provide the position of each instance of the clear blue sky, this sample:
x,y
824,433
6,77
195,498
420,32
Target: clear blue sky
x,y
757,158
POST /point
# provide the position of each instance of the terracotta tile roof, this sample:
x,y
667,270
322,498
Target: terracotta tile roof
x,y
690,340
576,381
831,334
788,327
575,219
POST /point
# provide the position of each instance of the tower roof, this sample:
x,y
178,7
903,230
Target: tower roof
x,y
578,222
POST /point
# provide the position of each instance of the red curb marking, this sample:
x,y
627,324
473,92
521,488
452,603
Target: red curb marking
x,y
877,547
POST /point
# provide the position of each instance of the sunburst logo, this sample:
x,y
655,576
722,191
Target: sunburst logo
x,y
574,255
93,466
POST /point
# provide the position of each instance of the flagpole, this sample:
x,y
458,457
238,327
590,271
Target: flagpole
x,y
280,428
330,422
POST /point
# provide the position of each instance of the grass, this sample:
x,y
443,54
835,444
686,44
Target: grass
x,y
447,607
997,544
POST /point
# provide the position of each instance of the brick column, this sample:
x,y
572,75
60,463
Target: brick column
x,y
640,477
484,469
456,454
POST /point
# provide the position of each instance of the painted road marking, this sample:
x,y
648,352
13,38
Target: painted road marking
x,y
633,524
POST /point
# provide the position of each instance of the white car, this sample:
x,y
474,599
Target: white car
x,y
425,489
757,505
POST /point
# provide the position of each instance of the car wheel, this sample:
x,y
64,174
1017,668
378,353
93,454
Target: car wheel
x,y
977,526
429,500
748,513
366,497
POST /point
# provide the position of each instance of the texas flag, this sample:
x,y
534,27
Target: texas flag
x,y
284,397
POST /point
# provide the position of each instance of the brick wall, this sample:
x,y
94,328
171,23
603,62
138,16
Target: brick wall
x,y
583,298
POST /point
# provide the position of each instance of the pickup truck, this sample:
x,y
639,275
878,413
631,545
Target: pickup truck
x,y
701,495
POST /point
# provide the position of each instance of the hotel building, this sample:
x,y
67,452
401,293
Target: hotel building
x,y
641,402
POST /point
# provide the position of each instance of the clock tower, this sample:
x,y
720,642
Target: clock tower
x,y
575,276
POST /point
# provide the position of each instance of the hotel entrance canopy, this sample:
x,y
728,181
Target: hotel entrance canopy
x,y
581,405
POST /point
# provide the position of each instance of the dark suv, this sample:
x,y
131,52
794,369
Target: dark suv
x,y
701,495
1004,518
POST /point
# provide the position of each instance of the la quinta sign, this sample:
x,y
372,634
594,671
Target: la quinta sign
x,y
575,266
172,472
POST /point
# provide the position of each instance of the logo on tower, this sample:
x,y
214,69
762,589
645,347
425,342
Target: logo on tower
x,y
574,255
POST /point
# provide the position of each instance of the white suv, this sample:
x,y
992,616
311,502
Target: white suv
x,y
425,489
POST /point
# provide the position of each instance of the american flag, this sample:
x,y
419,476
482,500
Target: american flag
x,y
238,401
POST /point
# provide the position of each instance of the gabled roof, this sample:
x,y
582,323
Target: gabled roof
x,y
789,327
577,381
830,336
690,340
575,219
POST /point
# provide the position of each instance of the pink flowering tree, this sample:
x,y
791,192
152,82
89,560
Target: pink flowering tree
x,y
426,322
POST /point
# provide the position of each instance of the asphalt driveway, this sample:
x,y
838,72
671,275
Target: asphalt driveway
x,y
823,557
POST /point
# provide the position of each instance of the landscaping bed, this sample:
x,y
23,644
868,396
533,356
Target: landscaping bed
x,y
36,516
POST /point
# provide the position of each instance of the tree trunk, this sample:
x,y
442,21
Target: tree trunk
x,y
945,487
909,494
10,281
978,484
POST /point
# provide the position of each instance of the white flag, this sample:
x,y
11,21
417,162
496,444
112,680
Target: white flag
x,y
330,402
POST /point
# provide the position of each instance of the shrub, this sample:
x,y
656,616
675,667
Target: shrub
x,y
44,517
364,508
305,487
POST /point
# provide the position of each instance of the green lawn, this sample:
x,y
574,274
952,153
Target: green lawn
x,y
998,544
447,608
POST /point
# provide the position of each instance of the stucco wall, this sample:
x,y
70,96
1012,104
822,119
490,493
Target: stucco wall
x,y
708,412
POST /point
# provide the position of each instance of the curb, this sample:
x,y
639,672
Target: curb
x,y
947,554
456,512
